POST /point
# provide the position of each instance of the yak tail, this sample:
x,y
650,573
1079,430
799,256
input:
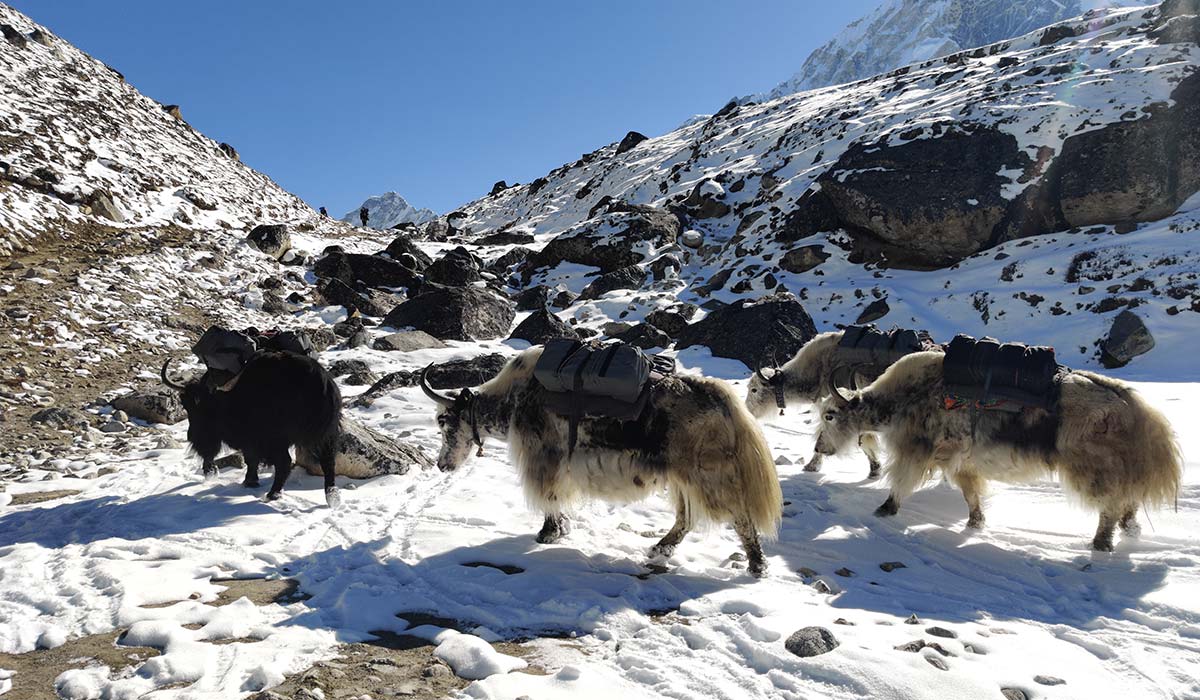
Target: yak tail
x,y
762,499
1157,460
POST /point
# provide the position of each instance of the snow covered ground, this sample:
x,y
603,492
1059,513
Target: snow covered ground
x,y
1027,595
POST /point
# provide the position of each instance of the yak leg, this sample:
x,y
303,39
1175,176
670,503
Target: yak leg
x,y
283,468
754,554
889,507
814,464
1103,541
1129,522
554,528
870,445
328,461
683,525
971,485
907,469
252,459
210,470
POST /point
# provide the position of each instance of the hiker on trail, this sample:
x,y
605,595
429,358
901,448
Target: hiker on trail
x,y
362,214
323,212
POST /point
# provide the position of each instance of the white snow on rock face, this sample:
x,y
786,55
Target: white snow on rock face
x,y
388,210
900,32
72,129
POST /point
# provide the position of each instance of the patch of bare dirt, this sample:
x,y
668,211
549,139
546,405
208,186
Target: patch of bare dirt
x,y
24,499
35,671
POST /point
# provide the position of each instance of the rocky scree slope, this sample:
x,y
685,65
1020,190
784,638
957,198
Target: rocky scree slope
x,y
81,147
1079,129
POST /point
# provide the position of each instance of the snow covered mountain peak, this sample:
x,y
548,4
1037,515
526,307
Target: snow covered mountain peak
x,y
901,32
388,210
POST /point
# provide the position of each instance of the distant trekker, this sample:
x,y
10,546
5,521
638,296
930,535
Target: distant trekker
x,y
362,214
323,212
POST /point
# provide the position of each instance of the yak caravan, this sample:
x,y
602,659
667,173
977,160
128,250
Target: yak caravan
x,y
598,430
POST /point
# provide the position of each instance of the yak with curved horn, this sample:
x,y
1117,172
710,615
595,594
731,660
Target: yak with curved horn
x,y
694,437
277,401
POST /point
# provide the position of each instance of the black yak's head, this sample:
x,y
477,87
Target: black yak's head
x,y
458,424
201,399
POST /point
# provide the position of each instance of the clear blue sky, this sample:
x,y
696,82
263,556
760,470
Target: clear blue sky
x,y
437,100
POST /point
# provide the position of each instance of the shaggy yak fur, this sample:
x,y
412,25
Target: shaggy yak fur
x,y
1108,446
805,379
279,399
694,437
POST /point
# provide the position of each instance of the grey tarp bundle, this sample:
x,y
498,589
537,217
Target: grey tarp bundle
x,y
873,351
587,379
990,375
224,350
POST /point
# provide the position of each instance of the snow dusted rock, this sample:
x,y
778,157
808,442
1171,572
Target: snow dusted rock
x,y
474,371
402,245
874,311
60,418
272,239
542,326
407,341
811,641
457,268
645,336
370,270
753,331
533,298
455,313
14,37
672,321
152,406
664,266
474,659
1013,694
505,238
100,202
628,277
704,202
631,139
498,187
364,453
1127,338
803,258
692,239
371,302
515,256
612,240
229,151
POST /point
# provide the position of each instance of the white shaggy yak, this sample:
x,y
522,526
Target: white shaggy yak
x,y
1107,445
694,437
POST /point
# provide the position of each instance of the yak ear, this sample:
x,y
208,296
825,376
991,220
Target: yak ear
x,y
466,395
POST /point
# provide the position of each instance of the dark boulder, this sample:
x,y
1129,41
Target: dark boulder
x,y
153,406
369,270
672,321
474,371
542,326
513,257
272,239
229,151
804,258
624,227
14,37
811,641
563,299
101,204
173,111
534,298
704,201
630,277
60,418
407,341
497,188
660,265
457,268
874,311
1127,338
335,291
645,336
455,313
364,453
505,238
631,139
404,244
753,331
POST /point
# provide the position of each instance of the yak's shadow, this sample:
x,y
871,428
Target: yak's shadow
x,y
510,584
157,515
950,572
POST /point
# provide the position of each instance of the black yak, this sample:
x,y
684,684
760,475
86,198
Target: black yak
x,y
278,400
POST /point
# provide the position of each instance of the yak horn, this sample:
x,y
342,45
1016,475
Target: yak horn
x,y
167,380
437,398
833,389
758,372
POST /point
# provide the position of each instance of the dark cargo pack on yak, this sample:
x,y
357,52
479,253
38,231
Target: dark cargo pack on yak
x,y
987,374
223,350
869,347
589,380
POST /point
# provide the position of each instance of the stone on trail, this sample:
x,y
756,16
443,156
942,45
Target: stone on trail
x,y
152,406
811,641
364,453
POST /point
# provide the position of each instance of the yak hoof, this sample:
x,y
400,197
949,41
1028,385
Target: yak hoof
x,y
814,465
210,473
758,569
272,496
251,483
1105,545
888,508
874,473
664,551
975,523
333,497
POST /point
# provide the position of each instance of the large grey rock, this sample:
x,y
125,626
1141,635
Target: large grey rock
x,y
811,641
631,139
457,268
608,240
629,277
101,203
645,336
803,258
672,321
505,238
403,244
60,418
14,37
152,406
272,239
407,341
455,313
542,326
372,303
369,270
704,201
874,311
756,332
364,453
473,371
1127,338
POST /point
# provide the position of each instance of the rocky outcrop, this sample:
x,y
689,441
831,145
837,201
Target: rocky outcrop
x,y
542,326
455,313
631,139
457,268
272,239
803,258
368,270
758,332
645,336
371,303
1127,338
407,341
630,277
609,241
152,406
364,453
474,371
402,245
